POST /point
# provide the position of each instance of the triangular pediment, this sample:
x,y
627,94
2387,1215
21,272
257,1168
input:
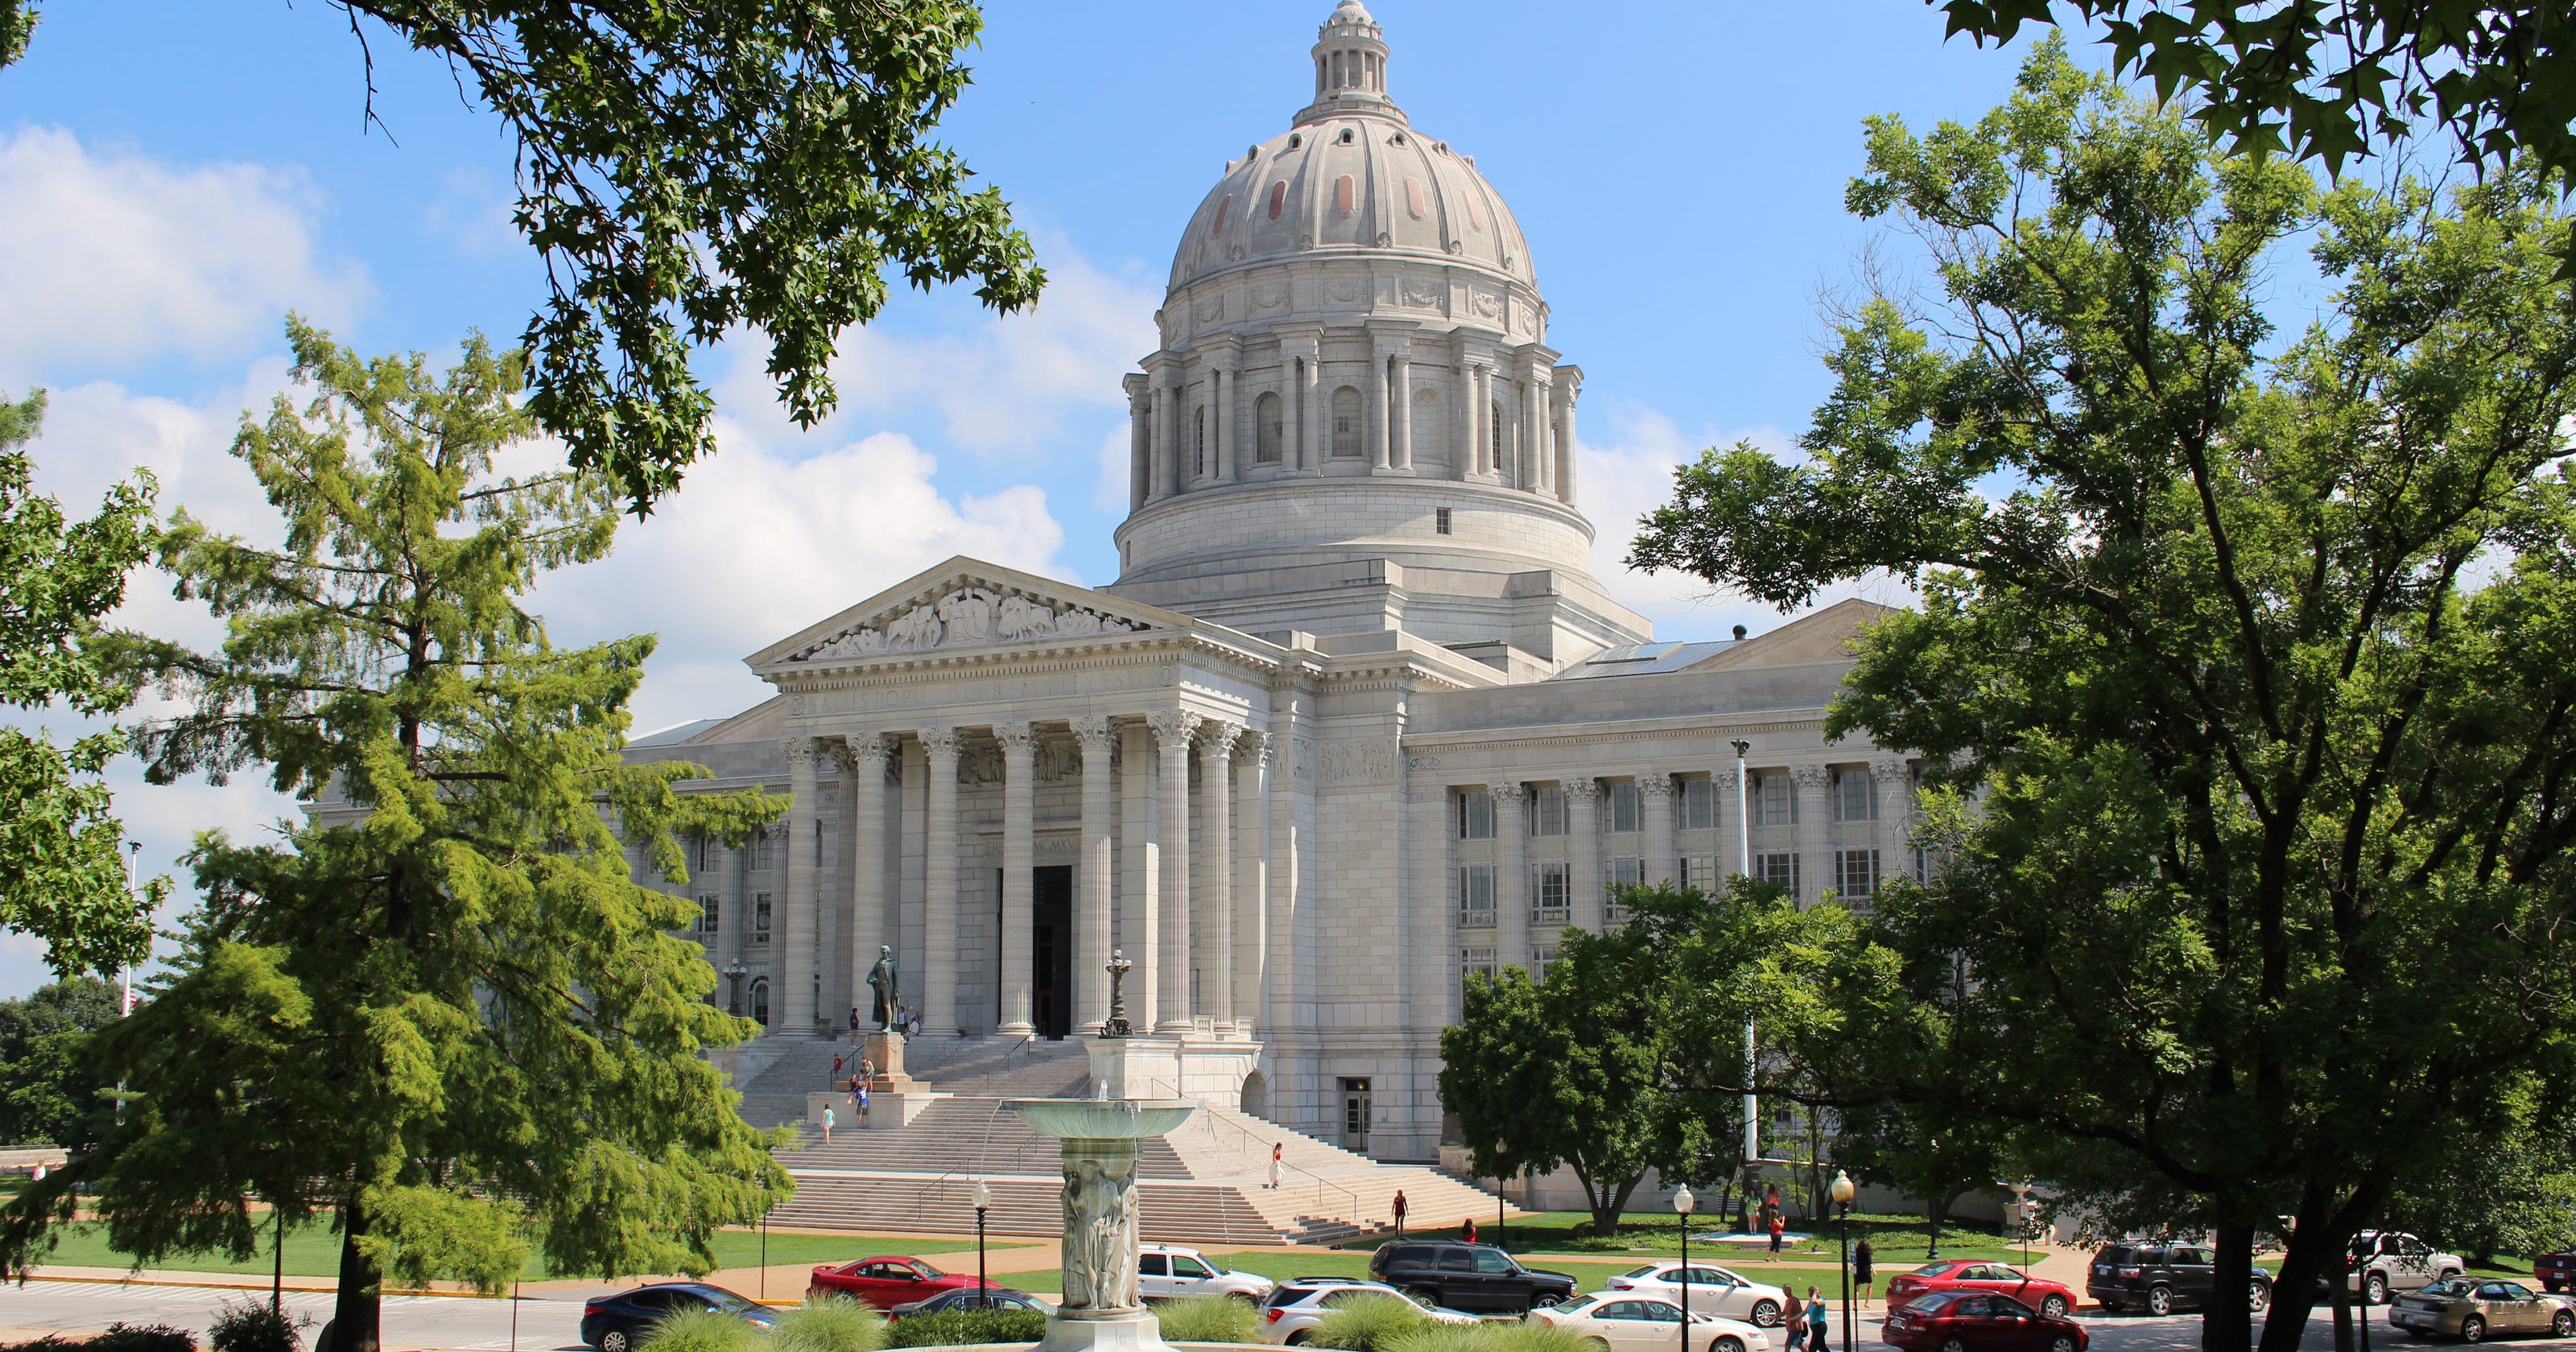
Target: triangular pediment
x,y
959,605
1818,636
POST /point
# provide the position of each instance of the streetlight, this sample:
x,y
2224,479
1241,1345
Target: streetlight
x,y
1682,1204
1841,1192
982,1197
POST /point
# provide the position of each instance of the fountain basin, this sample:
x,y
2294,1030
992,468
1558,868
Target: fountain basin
x,y
1101,1309
1103,1119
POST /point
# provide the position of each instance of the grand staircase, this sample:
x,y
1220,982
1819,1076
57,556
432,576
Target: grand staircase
x,y
1203,1184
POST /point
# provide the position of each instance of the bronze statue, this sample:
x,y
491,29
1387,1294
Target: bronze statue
x,y
884,980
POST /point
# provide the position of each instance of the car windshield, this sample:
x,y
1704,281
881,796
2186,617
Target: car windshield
x,y
2117,1253
927,1270
1933,1269
1647,1271
2450,1286
1931,1304
726,1302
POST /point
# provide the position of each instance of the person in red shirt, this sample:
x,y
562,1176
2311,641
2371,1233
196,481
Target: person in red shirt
x,y
1399,1211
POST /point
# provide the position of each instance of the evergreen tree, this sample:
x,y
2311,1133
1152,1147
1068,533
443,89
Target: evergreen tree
x,y
440,1010
62,878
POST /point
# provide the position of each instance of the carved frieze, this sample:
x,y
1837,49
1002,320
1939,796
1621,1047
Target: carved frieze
x,y
968,617
1370,762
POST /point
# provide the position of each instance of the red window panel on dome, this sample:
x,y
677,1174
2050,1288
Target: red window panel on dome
x,y
1221,209
1413,197
1342,194
1278,197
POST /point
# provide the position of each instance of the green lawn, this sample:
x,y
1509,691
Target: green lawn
x,y
1896,1239
314,1251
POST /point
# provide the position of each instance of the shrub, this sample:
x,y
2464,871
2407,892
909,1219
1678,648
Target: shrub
x,y
702,1331
1368,1324
950,1327
1209,1319
830,1324
1509,1336
124,1337
252,1326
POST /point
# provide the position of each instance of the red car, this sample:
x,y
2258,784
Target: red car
x,y
2052,1299
2556,1271
886,1282
1972,1321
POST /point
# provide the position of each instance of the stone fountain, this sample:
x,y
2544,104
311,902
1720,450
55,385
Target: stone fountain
x,y
1101,1308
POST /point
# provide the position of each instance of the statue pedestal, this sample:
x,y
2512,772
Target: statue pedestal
x,y
885,1052
1101,1307
1208,1070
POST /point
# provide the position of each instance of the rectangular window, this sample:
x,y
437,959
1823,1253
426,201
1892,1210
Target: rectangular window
x,y
1700,871
1472,961
1542,958
1624,813
1856,874
760,917
1476,894
1853,800
1551,890
1475,815
1618,873
1440,520
1699,805
1547,812
708,913
1773,803
760,843
1779,869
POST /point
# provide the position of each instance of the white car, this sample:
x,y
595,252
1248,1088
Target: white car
x,y
1621,1322
1300,1303
1713,1290
1168,1272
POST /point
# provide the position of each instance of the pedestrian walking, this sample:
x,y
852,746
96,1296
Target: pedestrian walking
x,y
836,1067
1399,1211
1861,1274
1779,1226
1797,1326
859,1100
854,1025
827,1124
1278,1162
1816,1324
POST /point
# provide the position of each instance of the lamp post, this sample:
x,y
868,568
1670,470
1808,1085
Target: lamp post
x,y
1682,1204
982,1197
1841,1192
734,972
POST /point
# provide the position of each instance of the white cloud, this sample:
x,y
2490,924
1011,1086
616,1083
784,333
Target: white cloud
x,y
1112,493
997,384
110,256
763,543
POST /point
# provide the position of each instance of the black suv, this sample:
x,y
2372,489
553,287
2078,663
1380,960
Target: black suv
x,y
1474,1277
2162,1278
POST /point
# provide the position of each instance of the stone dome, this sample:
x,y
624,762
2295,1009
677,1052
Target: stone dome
x,y
1351,174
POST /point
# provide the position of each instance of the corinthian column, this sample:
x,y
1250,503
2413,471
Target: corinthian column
x,y
795,955
939,886
871,919
1815,832
1511,877
1400,394
1894,780
1655,798
1583,807
1172,731
1091,924
1251,876
1019,851
1215,897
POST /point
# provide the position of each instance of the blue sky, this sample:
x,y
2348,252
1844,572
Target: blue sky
x,y
175,176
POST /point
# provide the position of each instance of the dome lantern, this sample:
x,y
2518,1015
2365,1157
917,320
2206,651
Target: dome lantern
x,y
1350,66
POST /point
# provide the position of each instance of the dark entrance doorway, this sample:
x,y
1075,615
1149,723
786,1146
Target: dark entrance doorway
x,y
1051,927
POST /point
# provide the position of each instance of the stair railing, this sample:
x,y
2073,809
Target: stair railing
x,y
1209,1121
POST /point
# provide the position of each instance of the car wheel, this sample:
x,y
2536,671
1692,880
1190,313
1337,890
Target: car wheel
x,y
2054,1307
1423,1296
1297,1339
1543,1299
1954,1345
2473,1330
1596,1345
2159,1300
616,1340
1726,1343
2258,1297
2064,1342
2374,1289
1766,1314
2563,1325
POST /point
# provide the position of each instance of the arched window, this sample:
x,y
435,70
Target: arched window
x,y
1494,439
760,1001
1270,429
1346,421
1198,444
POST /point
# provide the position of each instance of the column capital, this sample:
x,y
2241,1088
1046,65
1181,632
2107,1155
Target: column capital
x,y
1017,739
1254,746
1655,784
1093,732
1505,794
1216,738
1585,789
870,751
1891,771
941,742
1174,727
801,752
1814,776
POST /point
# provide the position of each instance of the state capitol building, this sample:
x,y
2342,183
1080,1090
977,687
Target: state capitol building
x,y
1355,718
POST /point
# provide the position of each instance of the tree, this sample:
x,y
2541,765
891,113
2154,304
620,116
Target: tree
x,y
2324,80
684,169
1924,1155
441,1010
62,878
2244,694
2512,1192
49,1093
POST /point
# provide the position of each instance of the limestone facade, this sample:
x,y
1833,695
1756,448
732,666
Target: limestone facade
x,y
1354,720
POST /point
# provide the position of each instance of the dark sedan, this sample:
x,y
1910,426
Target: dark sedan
x,y
620,1322
1975,1321
992,1298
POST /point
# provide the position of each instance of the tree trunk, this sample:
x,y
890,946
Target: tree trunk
x,y
2229,1324
2316,1250
356,1322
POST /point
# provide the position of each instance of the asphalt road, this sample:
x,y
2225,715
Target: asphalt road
x,y
552,1320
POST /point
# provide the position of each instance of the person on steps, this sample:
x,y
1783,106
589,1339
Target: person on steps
x,y
1399,1212
827,1124
1277,1163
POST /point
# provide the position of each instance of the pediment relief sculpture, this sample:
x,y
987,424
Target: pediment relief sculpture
x,y
966,618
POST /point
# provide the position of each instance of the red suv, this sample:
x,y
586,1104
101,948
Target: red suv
x,y
1974,1321
2556,1271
